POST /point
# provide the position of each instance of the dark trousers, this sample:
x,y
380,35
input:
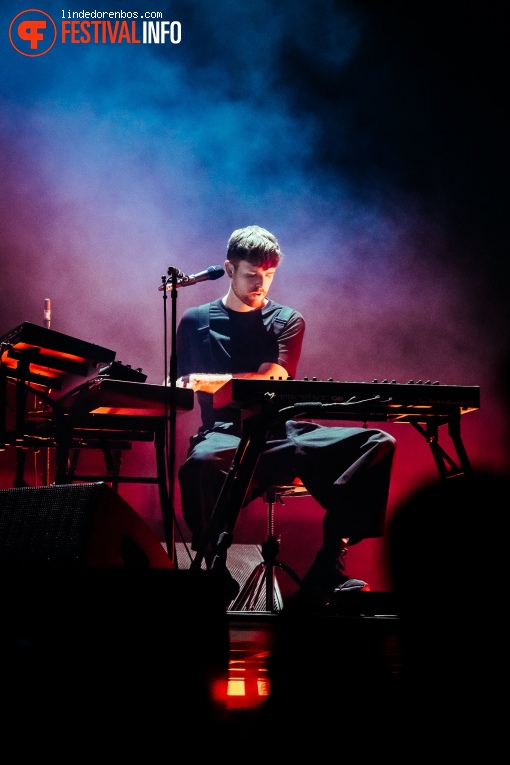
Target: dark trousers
x,y
347,470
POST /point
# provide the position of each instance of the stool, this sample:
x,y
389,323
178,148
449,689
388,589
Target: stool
x,y
264,572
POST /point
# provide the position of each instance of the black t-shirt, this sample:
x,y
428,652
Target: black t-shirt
x,y
213,339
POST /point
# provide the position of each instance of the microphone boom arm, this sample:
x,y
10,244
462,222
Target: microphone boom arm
x,y
209,274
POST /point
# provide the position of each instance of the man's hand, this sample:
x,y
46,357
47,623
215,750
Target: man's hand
x,y
206,383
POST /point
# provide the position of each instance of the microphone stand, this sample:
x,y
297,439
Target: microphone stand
x,y
176,278
46,451
171,413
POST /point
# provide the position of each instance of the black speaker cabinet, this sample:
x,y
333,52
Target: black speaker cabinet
x,y
75,525
99,638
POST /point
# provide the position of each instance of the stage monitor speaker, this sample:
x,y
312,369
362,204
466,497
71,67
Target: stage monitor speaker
x,y
98,633
78,525
106,657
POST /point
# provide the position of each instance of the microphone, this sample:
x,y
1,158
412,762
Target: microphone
x,y
211,273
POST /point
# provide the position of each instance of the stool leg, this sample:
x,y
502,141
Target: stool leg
x,y
264,573
249,594
269,555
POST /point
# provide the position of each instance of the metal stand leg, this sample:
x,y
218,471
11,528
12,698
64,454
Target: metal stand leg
x,y
264,572
447,466
219,534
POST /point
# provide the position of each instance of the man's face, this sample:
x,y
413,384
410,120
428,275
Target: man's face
x,y
250,284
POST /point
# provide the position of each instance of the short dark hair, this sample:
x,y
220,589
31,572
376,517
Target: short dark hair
x,y
256,245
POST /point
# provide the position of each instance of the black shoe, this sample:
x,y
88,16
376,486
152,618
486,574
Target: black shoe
x,y
327,576
218,562
353,585
232,586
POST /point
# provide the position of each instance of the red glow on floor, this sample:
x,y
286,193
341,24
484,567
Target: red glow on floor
x,y
247,684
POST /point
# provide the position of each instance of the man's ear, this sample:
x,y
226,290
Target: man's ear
x,y
229,268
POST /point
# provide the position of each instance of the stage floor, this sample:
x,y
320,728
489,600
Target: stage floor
x,y
257,632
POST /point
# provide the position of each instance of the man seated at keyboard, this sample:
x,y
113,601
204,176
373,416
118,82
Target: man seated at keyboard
x,y
347,470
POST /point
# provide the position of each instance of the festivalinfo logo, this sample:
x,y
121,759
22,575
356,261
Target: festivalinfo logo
x,y
34,32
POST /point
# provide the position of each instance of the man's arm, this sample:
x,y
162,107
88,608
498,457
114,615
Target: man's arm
x,y
209,383
265,372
